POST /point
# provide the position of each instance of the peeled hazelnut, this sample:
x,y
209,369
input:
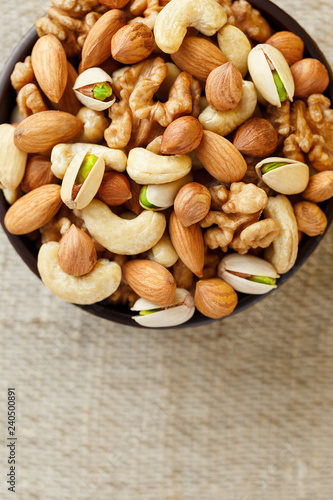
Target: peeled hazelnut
x,y
215,298
289,44
311,220
37,173
256,137
132,43
224,87
114,189
320,187
182,136
192,203
310,77
77,254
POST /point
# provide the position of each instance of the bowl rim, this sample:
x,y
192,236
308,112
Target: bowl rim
x,y
27,251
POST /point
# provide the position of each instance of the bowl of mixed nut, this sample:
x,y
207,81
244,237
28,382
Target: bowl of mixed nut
x,y
166,163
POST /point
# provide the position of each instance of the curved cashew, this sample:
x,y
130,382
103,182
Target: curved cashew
x,y
171,24
145,167
13,161
62,155
163,252
224,122
123,236
283,251
235,46
94,125
99,284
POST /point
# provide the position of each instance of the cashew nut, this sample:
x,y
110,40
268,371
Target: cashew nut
x,y
235,46
122,236
13,161
163,252
62,155
99,284
224,122
94,125
145,167
283,251
171,24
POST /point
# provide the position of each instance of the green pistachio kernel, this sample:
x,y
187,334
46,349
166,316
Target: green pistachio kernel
x,y
143,199
263,279
283,95
149,311
271,166
85,168
102,91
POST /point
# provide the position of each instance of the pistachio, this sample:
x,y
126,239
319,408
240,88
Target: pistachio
x,y
271,74
82,180
283,175
161,196
152,316
248,274
93,88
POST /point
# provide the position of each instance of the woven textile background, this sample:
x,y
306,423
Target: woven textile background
x,y
242,410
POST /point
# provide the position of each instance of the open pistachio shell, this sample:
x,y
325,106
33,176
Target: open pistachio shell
x,y
90,186
180,310
262,76
89,77
248,265
290,178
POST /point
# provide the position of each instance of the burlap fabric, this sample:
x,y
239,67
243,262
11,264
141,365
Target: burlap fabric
x,y
241,410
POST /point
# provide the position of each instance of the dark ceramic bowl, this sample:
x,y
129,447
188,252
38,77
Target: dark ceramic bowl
x,y
279,20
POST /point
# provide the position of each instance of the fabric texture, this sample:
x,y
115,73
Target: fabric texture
x,y
241,410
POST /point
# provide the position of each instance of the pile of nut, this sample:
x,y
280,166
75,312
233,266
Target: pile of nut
x,y
166,154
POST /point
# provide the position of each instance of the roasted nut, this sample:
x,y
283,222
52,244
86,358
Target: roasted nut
x,y
235,46
37,173
224,87
256,137
311,220
192,203
132,43
114,189
320,187
163,252
13,163
182,136
215,298
290,45
77,254
244,199
310,77
161,196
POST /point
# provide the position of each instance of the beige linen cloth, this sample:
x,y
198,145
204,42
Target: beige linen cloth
x,y
239,410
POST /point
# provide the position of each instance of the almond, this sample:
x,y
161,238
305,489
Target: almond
x,y
151,281
41,131
192,203
49,62
224,87
132,43
133,203
77,254
69,102
114,4
114,189
256,137
215,298
33,210
310,77
220,158
198,57
188,243
97,46
182,136
290,45
37,173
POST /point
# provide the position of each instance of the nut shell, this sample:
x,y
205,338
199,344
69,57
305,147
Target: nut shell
x,y
256,137
88,77
310,77
224,87
132,43
182,136
215,298
291,178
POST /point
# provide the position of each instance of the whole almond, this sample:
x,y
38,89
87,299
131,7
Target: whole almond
x,y
224,87
132,43
41,131
289,44
181,136
188,243
150,281
37,173
311,220
114,189
49,62
77,254
97,46
320,187
310,77
215,298
192,203
133,203
220,158
256,137
69,102
114,4
198,57
33,210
